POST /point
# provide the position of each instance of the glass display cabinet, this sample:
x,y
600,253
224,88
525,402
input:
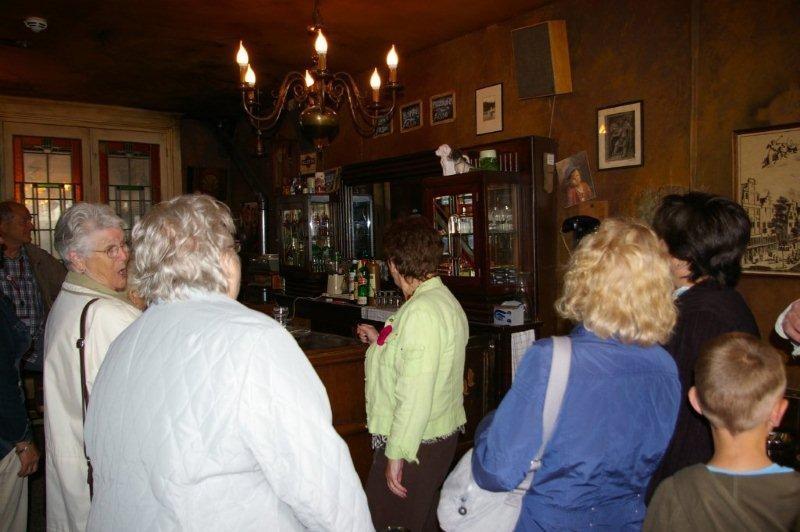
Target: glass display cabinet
x,y
484,226
307,231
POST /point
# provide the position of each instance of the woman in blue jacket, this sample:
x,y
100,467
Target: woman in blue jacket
x,y
622,395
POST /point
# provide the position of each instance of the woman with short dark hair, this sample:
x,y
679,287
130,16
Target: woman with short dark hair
x,y
706,236
414,375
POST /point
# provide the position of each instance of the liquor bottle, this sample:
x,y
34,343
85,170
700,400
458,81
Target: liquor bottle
x,y
363,284
351,279
374,280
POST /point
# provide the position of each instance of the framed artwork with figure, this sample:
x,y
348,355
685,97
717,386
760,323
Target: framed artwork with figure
x,y
766,171
575,179
620,136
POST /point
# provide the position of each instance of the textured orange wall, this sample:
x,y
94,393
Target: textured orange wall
x,y
748,76
702,67
619,51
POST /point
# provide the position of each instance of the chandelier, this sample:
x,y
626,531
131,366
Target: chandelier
x,y
319,93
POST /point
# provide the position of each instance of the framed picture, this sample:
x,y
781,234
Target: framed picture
x,y
766,169
619,136
384,126
411,116
443,108
308,163
211,181
575,182
489,109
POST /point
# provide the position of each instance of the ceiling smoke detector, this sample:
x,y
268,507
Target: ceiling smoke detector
x,y
35,24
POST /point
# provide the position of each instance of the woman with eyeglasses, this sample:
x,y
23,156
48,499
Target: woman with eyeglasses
x,y
91,242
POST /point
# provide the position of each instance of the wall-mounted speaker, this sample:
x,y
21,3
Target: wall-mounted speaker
x,y
541,54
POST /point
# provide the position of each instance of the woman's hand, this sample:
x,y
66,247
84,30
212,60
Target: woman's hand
x,y
28,456
394,477
366,333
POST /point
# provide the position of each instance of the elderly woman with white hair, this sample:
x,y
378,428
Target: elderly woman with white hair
x,y
91,241
207,415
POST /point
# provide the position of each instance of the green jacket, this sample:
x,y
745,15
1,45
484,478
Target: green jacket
x,y
414,382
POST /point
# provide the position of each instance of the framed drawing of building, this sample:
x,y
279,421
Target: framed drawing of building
x,y
766,167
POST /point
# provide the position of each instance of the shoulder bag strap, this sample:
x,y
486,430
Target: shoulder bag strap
x,y
553,398
80,344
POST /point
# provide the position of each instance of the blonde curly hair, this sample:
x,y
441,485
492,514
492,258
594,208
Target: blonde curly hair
x,y
618,284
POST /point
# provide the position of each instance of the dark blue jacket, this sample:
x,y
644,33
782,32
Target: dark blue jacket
x,y
616,420
14,341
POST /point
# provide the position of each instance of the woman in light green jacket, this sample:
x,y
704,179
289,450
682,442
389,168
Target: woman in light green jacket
x,y
414,376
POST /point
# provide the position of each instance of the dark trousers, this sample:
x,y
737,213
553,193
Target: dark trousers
x,y
417,512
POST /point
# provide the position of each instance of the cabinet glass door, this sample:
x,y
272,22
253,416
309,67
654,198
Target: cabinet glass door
x,y
321,237
454,220
503,221
362,227
292,237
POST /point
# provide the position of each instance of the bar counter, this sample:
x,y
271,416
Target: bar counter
x,y
325,332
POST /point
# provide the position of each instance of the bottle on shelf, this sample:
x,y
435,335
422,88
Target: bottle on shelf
x,y
351,279
363,283
374,280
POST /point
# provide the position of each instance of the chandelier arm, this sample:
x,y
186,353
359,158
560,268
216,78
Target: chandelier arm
x,y
362,121
353,94
288,84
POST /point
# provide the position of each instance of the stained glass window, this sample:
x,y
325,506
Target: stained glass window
x,y
130,177
47,180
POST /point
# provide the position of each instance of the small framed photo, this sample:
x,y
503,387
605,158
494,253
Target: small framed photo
x,y
411,116
619,136
384,126
443,108
489,109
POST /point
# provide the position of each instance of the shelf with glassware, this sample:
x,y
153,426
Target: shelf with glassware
x,y
483,219
307,233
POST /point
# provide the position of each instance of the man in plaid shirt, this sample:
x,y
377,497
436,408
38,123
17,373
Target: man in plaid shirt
x,y
29,276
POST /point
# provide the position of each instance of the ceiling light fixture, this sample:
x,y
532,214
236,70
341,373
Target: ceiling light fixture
x,y
319,93
35,24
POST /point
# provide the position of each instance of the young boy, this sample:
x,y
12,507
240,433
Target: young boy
x,y
739,387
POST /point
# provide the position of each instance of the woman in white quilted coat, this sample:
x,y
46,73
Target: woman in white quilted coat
x,y
207,415
91,241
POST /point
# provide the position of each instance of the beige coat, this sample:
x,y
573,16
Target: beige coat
x,y
66,469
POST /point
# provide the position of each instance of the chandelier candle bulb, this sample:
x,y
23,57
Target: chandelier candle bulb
x,y
243,60
309,79
375,83
250,77
391,61
321,46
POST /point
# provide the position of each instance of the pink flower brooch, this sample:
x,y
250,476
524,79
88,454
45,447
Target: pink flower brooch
x,y
385,332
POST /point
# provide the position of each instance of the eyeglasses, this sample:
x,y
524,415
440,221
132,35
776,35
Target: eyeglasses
x,y
113,251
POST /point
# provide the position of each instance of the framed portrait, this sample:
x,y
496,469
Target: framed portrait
x,y
766,168
575,182
619,136
384,126
489,109
443,108
411,116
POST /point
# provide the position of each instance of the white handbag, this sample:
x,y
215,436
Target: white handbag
x,y
466,507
